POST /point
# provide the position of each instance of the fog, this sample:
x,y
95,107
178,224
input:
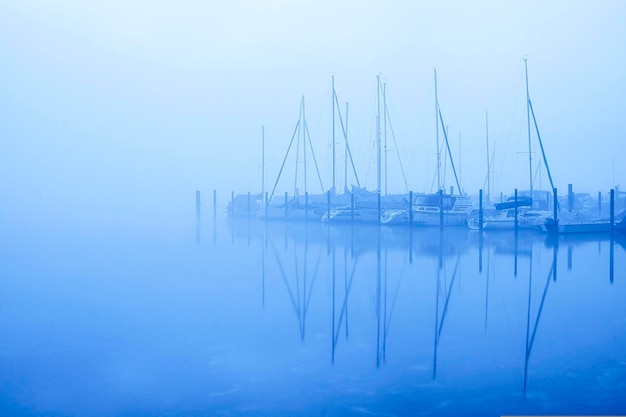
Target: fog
x,y
112,114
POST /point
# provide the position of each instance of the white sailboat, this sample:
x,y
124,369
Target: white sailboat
x,y
436,209
529,209
363,205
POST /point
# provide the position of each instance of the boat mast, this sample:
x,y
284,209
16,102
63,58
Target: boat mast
x,y
333,100
460,170
378,134
304,145
437,134
385,131
488,156
263,163
530,155
347,150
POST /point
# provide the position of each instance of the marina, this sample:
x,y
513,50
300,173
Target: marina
x,y
262,318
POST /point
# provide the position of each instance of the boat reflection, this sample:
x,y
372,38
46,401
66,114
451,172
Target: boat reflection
x,y
363,278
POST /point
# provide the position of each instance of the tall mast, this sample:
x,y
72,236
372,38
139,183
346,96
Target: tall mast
x,y
460,166
378,133
437,134
488,156
347,150
530,155
385,127
333,100
263,162
304,144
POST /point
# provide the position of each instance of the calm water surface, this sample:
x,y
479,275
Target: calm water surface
x,y
258,319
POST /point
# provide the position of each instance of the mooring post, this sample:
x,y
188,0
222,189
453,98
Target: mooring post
x,y
378,203
480,210
198,206
410,208
599,200
452,190
328,203
286,204
214,204
555,211
516,220
570,198
441,208
306,205
351,207
612,212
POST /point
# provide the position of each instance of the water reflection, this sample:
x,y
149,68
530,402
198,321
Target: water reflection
x,y
530,337
368,280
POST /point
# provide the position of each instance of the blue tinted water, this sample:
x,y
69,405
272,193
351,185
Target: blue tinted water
x,y
303,319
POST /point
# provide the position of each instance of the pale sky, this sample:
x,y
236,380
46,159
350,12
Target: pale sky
x,y
117,106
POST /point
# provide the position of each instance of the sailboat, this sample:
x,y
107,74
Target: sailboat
x,y
527,210
364,205
436,209
297,206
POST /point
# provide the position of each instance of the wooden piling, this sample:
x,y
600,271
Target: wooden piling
x,y
410,208
306,205
441,208
286,204
214,204
197,205
570,198
516,212
480,210
612,212
351,207
328,203
378,205
555,211
599,200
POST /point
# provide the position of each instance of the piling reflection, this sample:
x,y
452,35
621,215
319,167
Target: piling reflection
x,y
363,278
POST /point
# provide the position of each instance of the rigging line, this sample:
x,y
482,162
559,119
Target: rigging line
x,y
306,129
297,274
344,306
317,264
393,136
445,306
284,276
445,135
284,160
543,153
515,103
432,184
537,174
543,298
395,296
295,182
345,136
